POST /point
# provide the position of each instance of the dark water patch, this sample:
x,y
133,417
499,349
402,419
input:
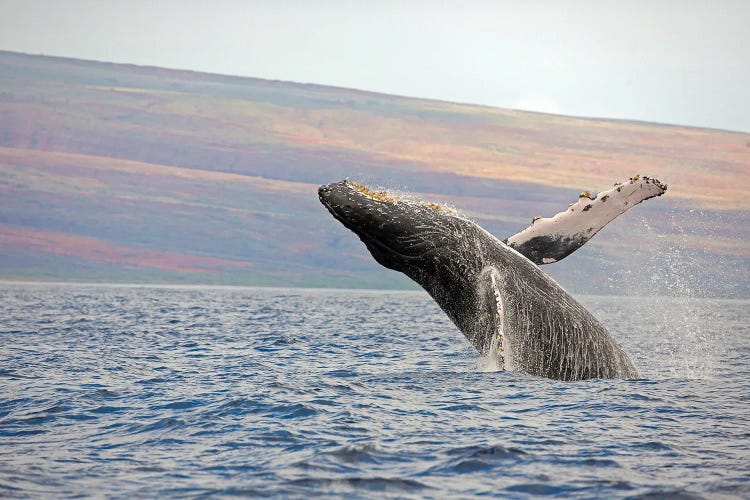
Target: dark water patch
x,y
4,486
278,436
342,373
607,485
234,408
463,407
473,459
541,489
106,409
180,405
294,411
545,442
380,485
643,397
149,468
654,446
21,432
358,453
597,462
159,380
492,452
79,416
105,394
162,424
676,494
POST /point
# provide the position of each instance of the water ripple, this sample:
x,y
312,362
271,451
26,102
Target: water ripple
x,y
190,392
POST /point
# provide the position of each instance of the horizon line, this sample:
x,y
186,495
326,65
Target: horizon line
x,y
5,281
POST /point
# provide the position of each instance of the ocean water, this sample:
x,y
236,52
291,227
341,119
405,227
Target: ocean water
x,y
192,392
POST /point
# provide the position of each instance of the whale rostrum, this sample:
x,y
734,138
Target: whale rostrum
x,y
494,291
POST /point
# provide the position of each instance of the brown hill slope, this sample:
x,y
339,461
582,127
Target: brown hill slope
x,y
113,172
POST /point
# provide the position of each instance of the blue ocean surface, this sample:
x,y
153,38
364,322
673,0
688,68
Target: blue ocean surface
x,y
128,391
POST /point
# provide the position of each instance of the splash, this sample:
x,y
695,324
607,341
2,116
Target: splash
x,y
685,334
488,363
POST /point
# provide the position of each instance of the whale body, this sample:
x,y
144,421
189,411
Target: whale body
x,y
499,298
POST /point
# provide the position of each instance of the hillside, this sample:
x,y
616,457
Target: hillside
x,y
124,173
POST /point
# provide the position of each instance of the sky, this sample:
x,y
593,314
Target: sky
x,y
682,62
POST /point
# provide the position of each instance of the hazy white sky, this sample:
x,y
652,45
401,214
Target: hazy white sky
x,y
684,62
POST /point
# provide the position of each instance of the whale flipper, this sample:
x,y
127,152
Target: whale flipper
x,y
549,240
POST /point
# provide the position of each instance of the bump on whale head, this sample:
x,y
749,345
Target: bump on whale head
x,y
397,231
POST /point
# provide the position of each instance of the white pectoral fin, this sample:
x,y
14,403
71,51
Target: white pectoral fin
x,y
549,240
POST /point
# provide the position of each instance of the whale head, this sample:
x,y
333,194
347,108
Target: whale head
x,y
433,245
400,234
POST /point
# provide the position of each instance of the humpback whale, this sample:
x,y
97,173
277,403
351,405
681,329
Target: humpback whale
x,y
494,291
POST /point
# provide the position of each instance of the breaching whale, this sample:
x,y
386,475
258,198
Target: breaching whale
x,y
494,291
